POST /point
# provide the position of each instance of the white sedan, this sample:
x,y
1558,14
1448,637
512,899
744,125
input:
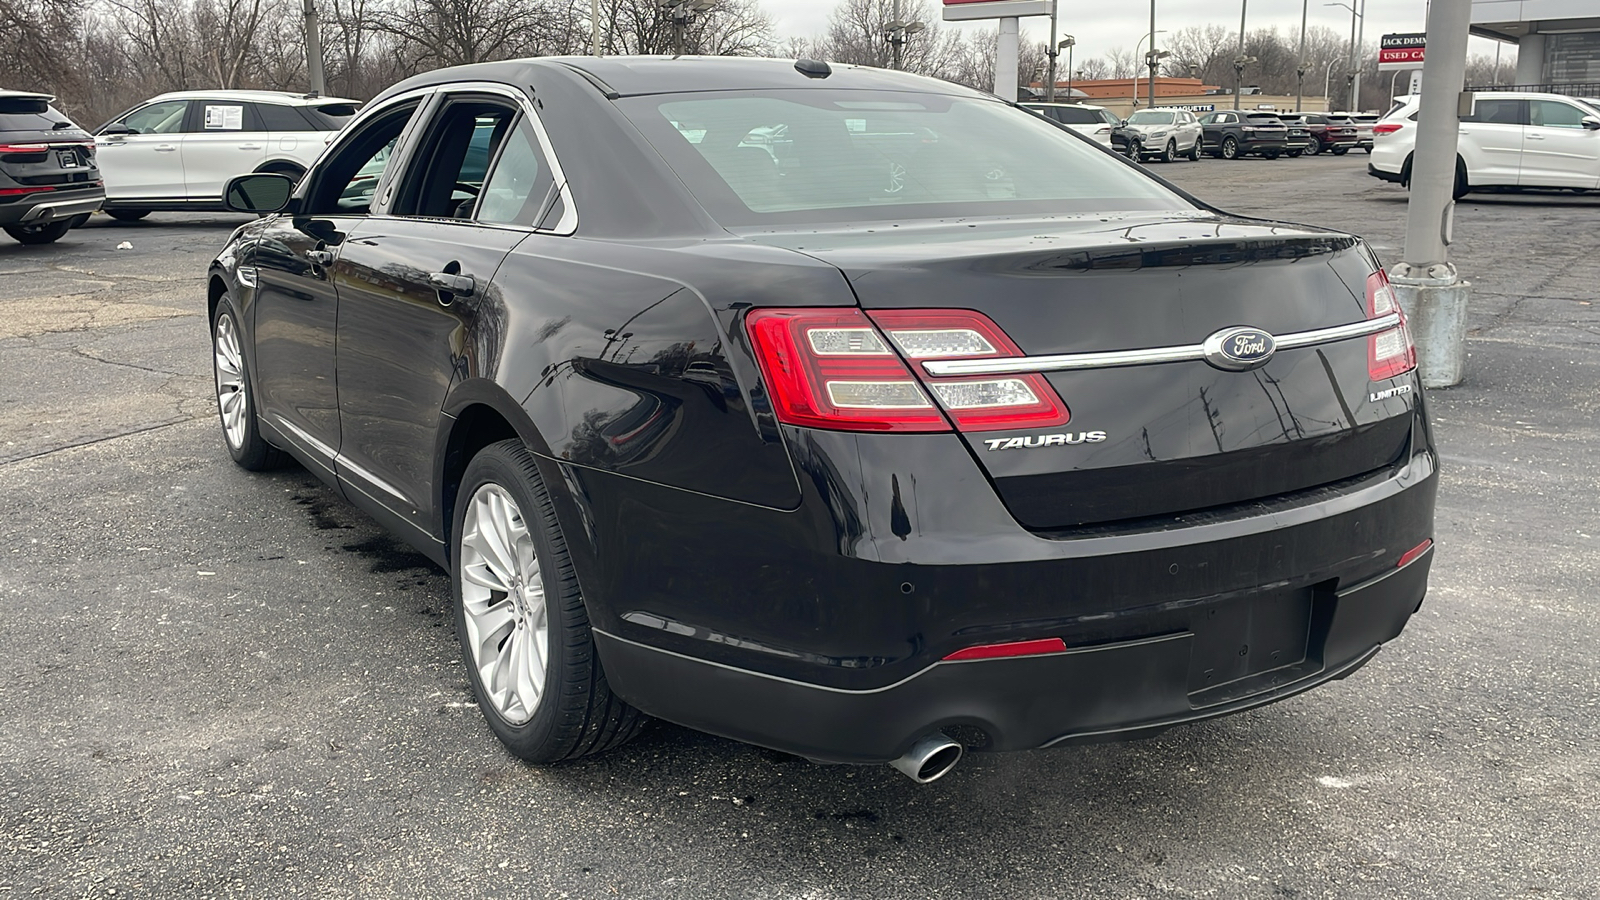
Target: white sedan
x,y
175,151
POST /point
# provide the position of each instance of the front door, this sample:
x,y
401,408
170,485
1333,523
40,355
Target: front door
x,y
149,162
298,259
1557,150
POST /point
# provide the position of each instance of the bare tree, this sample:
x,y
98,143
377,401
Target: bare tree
x,y
855,35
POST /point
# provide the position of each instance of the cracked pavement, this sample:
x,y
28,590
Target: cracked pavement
x,y
217,684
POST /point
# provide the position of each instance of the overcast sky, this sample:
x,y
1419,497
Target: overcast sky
x,y
1100,26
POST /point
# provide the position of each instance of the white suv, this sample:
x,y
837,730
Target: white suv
x,y
175,151
1510,140
1167,133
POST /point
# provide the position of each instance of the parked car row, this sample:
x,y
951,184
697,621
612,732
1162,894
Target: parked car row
x,y
1170,133
171,152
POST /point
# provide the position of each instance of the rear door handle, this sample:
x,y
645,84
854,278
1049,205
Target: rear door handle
x,y
1535,137
320,257
458,285
249,146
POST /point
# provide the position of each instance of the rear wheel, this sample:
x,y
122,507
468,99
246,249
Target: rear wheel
x,y
127,215
1272,155
1295,154
40,234
241,431
520,617
1339,151
1230,147
1314,147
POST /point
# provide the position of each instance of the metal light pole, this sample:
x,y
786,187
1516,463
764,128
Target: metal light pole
x,y
682,12
1151,56
896,33
1327,76
1300,67
1360,57
1352,54
1070,42
313,48
1239,60
1136,46
594,25
1052,51
1429,289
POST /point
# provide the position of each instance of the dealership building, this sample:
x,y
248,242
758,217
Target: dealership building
x,y
1558,41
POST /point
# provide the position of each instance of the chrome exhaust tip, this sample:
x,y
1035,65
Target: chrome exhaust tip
x,y
930,758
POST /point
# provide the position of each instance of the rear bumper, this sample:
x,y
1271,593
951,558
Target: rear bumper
x,y
49,207
1270,145
1118,690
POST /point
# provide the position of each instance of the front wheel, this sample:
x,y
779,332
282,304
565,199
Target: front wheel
x,y
1170,154
1339,151
241,430
520,617
1295,154
40,234
1194,152
1230,147
1132,151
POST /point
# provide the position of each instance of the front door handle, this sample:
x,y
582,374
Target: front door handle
x,y
320,257
1535,137
456,285
249,146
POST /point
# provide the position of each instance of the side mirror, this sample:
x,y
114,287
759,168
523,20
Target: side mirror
x,y
1592,123
117,129
259,192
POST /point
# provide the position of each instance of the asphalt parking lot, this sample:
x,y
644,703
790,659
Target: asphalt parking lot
x,y
214,683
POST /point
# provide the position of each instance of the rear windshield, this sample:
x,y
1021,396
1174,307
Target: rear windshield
x,y
1265,119
332,116
812,156
30,114
1074,115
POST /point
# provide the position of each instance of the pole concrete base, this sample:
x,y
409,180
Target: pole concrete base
x,y
1435,304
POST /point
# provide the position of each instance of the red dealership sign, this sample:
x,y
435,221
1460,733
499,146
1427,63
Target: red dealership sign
x,y
961,10
1400,51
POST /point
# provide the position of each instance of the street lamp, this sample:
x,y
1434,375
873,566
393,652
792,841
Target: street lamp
x,y
1066,43
895,34
681,13
1239,62
1153,59
1327,74
1136,47
1354,56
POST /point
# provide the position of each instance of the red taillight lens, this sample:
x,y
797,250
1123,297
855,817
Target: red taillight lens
x,y
1389,353
831,368
13,192
24,148
1386,128
975,404
1012,648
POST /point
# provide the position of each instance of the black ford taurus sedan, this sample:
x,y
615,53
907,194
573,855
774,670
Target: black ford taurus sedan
x,y
836,410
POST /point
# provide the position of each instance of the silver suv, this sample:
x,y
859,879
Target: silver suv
x,y
1166,133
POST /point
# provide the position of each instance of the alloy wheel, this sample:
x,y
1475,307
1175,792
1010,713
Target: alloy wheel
x,y
233,400
503,598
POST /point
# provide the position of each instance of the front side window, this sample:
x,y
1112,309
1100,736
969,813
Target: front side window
x,y
1554,114
804,156
348,181
158,118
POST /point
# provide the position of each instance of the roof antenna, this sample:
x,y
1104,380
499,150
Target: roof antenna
x,y
813,68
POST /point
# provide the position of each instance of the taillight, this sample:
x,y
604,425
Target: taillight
x,y
1103,129
18,191
1386,128
1389,353
1010,648
831,368
38,150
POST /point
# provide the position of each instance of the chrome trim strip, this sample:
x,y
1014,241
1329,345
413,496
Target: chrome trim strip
x,y
338,459
1070,361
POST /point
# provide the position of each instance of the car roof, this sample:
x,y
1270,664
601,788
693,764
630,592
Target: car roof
x,y
629,76
28,95
284,98
1164,109
1059,103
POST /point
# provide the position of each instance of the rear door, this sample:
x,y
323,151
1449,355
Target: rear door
x,y
225,138
291,133
1557,151
1491,140
149,162
416,283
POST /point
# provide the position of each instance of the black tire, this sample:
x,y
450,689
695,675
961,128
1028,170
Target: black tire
x,y
1462,187
1170,154
249,450
1314,147
127,215
48,233
1133,151
1339,151
1194,152
576,714
292,171
79,221
1230,147
1272,155
1295,154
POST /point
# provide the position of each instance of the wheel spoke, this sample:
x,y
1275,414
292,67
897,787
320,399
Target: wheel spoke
x,y
502,596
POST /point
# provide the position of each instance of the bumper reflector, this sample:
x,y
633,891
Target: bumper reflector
x,y
1411,555
1012,648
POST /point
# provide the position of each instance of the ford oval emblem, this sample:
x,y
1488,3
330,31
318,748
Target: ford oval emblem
x,y
1240,349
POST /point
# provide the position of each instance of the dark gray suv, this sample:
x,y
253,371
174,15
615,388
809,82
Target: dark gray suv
x,y
49,182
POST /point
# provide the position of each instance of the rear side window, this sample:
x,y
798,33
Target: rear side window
x,y
516,192
446,178
1499,112
802,156
29,114
282,118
